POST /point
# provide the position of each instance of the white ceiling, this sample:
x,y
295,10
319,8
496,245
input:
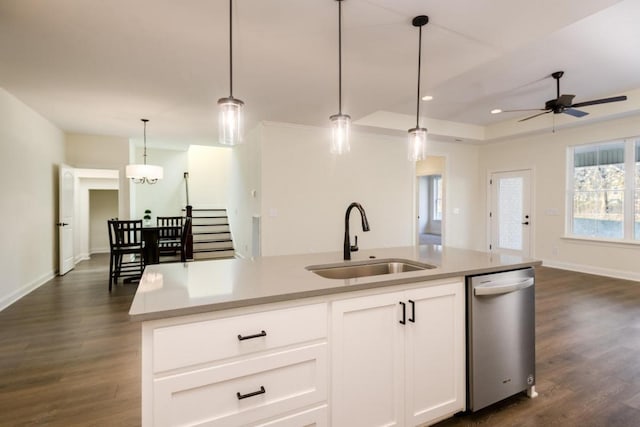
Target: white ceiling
x,y
97,67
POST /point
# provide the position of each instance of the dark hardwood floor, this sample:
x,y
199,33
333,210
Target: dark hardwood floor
x,y
69,355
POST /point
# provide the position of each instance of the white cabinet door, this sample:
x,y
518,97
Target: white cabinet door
x,y
385,373
367,361
434,357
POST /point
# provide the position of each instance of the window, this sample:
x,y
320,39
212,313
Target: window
x,y
602,177
437,197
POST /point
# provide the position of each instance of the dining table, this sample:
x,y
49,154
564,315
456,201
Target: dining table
x,y
151,239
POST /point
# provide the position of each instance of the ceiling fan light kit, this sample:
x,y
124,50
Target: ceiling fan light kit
x,y
417,142
563,103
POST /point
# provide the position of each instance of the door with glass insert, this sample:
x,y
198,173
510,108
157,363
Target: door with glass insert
x,y
510,216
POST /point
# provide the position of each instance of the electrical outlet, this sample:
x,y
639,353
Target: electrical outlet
x,y
555,251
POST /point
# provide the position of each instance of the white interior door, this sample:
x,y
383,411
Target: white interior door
x,y
65,218
510,215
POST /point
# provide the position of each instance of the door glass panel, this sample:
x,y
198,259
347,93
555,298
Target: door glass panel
x,y
510,213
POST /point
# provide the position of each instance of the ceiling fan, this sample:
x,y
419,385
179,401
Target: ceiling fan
x,y
563,103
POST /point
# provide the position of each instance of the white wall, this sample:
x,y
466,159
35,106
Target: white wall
x,y
31,148
103,205
102,152
245,192
462,224
546,156
209,176
167,197
306,190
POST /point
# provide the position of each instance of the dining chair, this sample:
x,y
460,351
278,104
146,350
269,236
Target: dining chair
x,y
182,243
126,250
169,234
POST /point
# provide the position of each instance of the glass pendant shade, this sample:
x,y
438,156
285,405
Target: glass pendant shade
x,y
140,174
417,144
230,121
340,131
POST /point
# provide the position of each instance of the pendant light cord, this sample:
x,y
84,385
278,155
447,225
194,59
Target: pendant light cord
x,y
230,50
144,154
419,63
340,57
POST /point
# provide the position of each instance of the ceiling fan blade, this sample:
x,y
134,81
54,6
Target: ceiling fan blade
x,y
526,109
535,115
574,112
600,101
565,100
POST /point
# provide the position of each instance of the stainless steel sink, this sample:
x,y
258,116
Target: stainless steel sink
x,y
373,268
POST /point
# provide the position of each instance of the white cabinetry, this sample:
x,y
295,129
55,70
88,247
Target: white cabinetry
x,y
267,368
388,373
273,366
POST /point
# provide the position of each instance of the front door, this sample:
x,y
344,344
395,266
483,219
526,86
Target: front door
x,y
510,216
65,218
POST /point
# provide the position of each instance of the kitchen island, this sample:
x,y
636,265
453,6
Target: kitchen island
x,y
269,342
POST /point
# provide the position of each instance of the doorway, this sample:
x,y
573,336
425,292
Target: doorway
x,y
103,205
430,200
510,215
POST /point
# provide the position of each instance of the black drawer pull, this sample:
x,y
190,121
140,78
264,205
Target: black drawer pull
x,y
255,393
412,319
404,313
248,337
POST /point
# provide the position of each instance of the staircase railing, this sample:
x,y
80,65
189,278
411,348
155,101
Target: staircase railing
x,y
189,241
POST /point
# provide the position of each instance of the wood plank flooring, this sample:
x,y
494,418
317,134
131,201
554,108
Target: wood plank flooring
x,y
69,355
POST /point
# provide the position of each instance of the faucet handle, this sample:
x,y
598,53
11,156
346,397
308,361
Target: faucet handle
x,y
354,248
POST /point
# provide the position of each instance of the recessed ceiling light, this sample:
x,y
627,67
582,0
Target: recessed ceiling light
x,y
427,98
496,111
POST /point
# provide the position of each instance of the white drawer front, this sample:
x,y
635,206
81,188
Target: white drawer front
x,y
208,397
201,342
314,417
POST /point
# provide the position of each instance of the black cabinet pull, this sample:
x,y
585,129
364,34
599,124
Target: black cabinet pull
x,y
255,393
248,337
412,319
404,313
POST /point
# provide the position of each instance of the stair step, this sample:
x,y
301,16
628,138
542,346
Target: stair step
x,y
209,225
202,233
212,241
214,255
206,250
208,216
205,246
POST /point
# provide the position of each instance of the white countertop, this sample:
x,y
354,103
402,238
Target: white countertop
x,y
176,289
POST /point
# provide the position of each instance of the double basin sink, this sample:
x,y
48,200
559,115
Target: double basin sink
x,y
371,268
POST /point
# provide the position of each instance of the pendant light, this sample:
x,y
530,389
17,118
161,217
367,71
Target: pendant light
x,y
340,123
144,173
230,108
418,135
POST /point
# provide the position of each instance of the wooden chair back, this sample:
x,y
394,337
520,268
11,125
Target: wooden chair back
x,y
173,227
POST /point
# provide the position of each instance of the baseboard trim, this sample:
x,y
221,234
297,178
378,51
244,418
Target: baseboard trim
x,y
26,289
81,257
589,269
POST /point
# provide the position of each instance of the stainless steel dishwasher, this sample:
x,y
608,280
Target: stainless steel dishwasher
x,y
500,336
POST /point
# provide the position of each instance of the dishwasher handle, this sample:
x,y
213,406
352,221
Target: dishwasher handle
x,y
502,288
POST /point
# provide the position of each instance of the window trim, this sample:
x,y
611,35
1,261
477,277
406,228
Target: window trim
x,y
628,220
434,199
